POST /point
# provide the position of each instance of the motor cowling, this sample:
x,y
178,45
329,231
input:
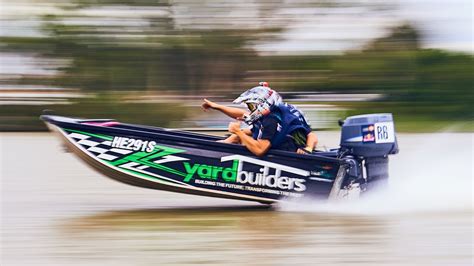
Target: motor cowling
x,y
371,135
369,139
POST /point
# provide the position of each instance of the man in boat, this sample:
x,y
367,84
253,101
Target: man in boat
x,y
273,124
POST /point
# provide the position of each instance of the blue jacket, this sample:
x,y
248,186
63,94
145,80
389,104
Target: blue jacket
x,y
289,118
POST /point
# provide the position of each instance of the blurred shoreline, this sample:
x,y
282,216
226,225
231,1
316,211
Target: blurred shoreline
x,y
150,62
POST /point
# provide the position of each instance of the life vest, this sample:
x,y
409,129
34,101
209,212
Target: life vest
x,y
289,118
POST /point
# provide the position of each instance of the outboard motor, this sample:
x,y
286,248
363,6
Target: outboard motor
x,y
366,142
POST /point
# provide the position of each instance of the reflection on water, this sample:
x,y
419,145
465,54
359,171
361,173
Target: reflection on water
x,y
59,212
264,236
240,235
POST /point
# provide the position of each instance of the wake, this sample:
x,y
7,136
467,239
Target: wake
x,y
432,173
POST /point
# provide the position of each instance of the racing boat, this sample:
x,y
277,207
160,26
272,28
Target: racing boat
x,y
193,163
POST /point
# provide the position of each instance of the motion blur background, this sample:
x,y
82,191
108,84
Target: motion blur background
x,y
151,61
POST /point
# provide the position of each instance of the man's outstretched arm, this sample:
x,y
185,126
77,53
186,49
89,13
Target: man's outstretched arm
x,y
233,112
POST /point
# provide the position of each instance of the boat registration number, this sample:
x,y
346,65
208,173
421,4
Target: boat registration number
x,y
133,144
384,132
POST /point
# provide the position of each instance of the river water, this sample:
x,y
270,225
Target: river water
x,y
57,211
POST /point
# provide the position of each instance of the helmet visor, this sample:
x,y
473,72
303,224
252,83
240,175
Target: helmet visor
x,y
252,106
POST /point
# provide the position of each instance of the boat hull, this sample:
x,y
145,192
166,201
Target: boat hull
x,y
191,163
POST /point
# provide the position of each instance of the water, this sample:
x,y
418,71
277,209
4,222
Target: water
x,y
57,211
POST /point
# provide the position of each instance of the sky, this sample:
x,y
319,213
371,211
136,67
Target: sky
x,y
443,24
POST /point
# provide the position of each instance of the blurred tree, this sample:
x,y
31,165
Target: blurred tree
x,y
111,48
433,84
201,46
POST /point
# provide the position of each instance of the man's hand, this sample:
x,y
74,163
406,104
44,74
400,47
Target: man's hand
x,y
206,105
235,113
304,151
234,127
311,142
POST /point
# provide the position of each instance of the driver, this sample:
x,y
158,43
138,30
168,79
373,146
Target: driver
x,y
273,124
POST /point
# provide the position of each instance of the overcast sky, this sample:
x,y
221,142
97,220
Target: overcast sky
x,y
444,24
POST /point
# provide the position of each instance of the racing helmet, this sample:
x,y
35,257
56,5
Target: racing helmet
x,y
259,101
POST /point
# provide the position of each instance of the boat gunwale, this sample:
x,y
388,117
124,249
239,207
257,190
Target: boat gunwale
x,y
78,124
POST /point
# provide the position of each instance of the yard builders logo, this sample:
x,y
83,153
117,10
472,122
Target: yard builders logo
x,y
270,173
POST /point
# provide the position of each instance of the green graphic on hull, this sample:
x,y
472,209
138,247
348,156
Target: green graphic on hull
x,y
145,157
100,146
211,172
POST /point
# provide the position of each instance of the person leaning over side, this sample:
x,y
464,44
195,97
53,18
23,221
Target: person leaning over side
x,y
273,124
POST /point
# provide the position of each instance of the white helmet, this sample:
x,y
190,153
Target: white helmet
x,y
259,100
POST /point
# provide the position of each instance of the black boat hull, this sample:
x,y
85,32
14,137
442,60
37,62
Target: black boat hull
x,y
192,163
